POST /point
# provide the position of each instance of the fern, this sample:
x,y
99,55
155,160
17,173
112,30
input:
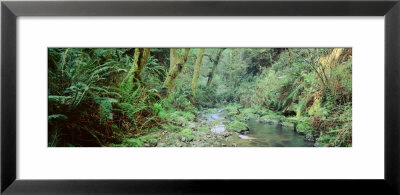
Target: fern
x,y
57,116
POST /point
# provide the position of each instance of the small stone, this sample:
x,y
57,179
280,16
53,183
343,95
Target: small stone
x,y
191,125
161,145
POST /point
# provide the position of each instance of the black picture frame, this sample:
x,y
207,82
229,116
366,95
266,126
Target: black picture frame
x,y
10,10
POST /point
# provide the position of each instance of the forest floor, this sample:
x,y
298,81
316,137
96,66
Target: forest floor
x,y
217,127
207,130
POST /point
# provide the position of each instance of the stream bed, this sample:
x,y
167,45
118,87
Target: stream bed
x,y
259,135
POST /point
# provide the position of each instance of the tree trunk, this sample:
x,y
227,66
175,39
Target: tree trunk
x,y
196,72
144,55
139,61
230,69
211,74
173,57
176,66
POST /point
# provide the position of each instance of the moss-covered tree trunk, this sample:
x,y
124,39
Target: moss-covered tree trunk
x,y
211,74
175,67
196,72
173,56
139,61
230,69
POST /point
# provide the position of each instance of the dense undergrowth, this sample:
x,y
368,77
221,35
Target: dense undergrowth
x,y
121,97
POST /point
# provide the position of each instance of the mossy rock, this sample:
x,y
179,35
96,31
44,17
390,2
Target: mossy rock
x,y
268,120
248,110
237,126
186,135
287,124
231,114
211,110
232,108
243,117
309,137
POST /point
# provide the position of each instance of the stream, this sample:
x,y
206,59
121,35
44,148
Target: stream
x,y
259,135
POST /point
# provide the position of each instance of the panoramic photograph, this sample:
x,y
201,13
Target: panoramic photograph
x,y
199,97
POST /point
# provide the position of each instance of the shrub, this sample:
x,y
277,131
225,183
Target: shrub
x,y
303,127
206,96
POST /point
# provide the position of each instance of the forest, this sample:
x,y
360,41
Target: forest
x,y
199,97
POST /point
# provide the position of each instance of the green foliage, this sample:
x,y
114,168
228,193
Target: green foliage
x,y
171,127
233,108
54,137
106,109
237,126
326,139
57,116
84,84
245,114
188,116
136,142
206,96
187,134
303,127
204,129
157,108
90,103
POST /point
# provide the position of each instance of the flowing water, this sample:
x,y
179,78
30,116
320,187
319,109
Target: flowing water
x,y
260,134
267,135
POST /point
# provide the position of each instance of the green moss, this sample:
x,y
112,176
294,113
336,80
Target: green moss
x,y
243,117
186,134
177,118
204,129
272,115
232,108
248,111
263,112
180,117
237,126
170,127
287,124
211,110
303,127
230,114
